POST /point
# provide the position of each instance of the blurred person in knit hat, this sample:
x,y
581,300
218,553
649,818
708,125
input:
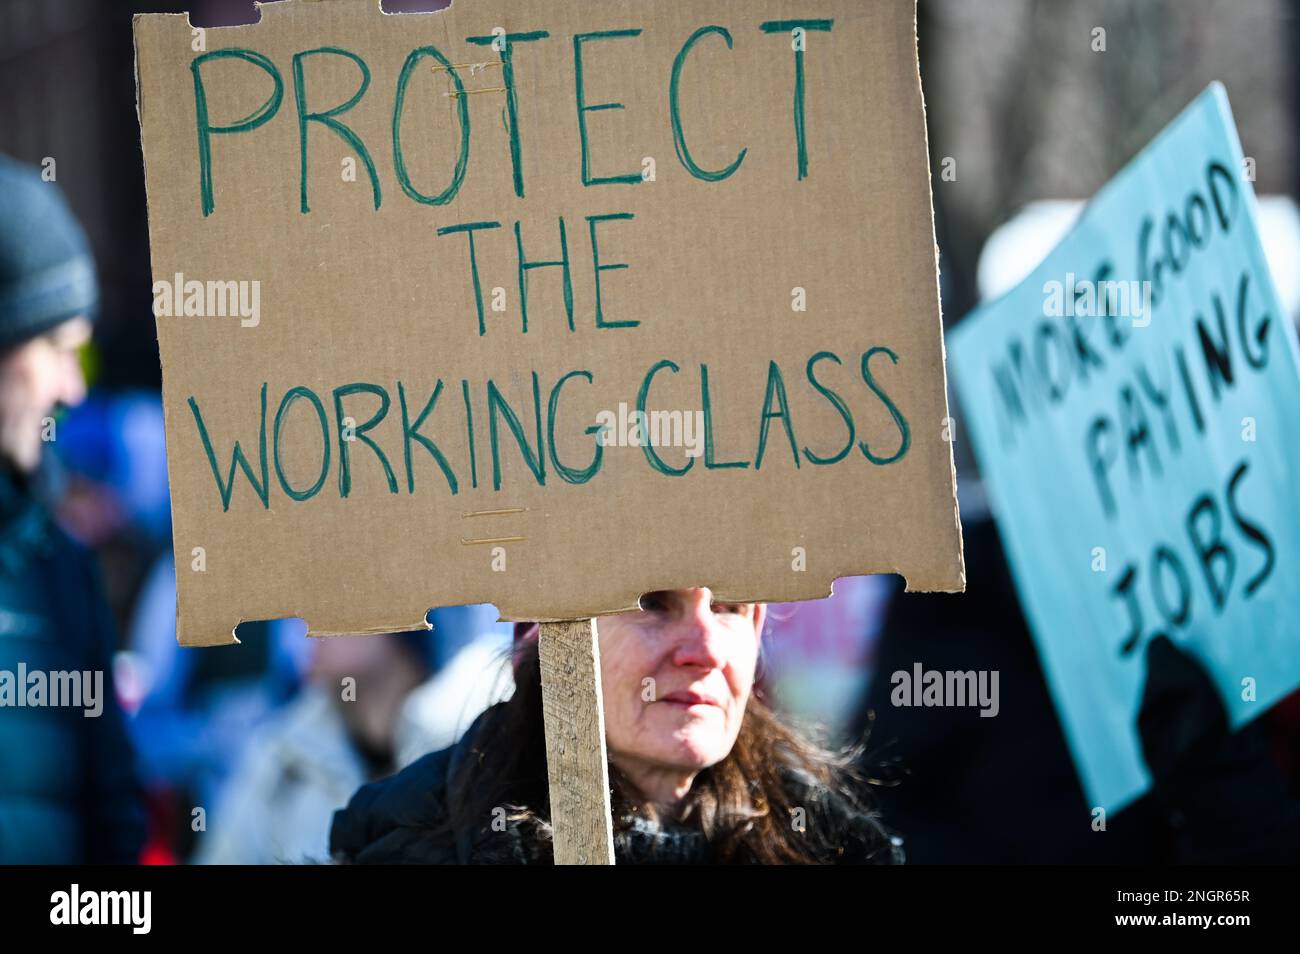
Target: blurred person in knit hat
x,y
701,770
68,791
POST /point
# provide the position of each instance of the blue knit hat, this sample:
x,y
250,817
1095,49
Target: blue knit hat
x,y
47,274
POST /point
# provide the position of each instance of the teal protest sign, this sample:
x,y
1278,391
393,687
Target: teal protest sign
x,y
1135,407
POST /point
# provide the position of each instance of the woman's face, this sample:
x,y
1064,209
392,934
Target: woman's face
x,y
676,677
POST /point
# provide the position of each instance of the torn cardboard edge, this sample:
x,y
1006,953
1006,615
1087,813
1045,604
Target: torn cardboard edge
x,y
817,592
258,6
943,344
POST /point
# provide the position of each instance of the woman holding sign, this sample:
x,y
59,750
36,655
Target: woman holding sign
x,y
702,771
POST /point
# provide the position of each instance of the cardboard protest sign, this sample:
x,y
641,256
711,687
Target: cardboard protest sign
x,y
1133,405
543,304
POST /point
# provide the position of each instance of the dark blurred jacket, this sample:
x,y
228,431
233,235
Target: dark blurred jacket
x,y
974,790
68,791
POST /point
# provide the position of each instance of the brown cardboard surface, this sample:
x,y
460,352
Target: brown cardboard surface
x,y
348,294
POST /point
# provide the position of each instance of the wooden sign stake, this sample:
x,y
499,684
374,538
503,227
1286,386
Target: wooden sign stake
x,y
575,743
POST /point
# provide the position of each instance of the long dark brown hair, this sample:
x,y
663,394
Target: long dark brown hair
x,y
745,805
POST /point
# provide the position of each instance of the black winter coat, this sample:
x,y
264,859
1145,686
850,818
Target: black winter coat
x,y
397,821
68,792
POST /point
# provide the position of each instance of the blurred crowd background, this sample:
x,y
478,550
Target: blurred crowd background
x,y
1036,121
